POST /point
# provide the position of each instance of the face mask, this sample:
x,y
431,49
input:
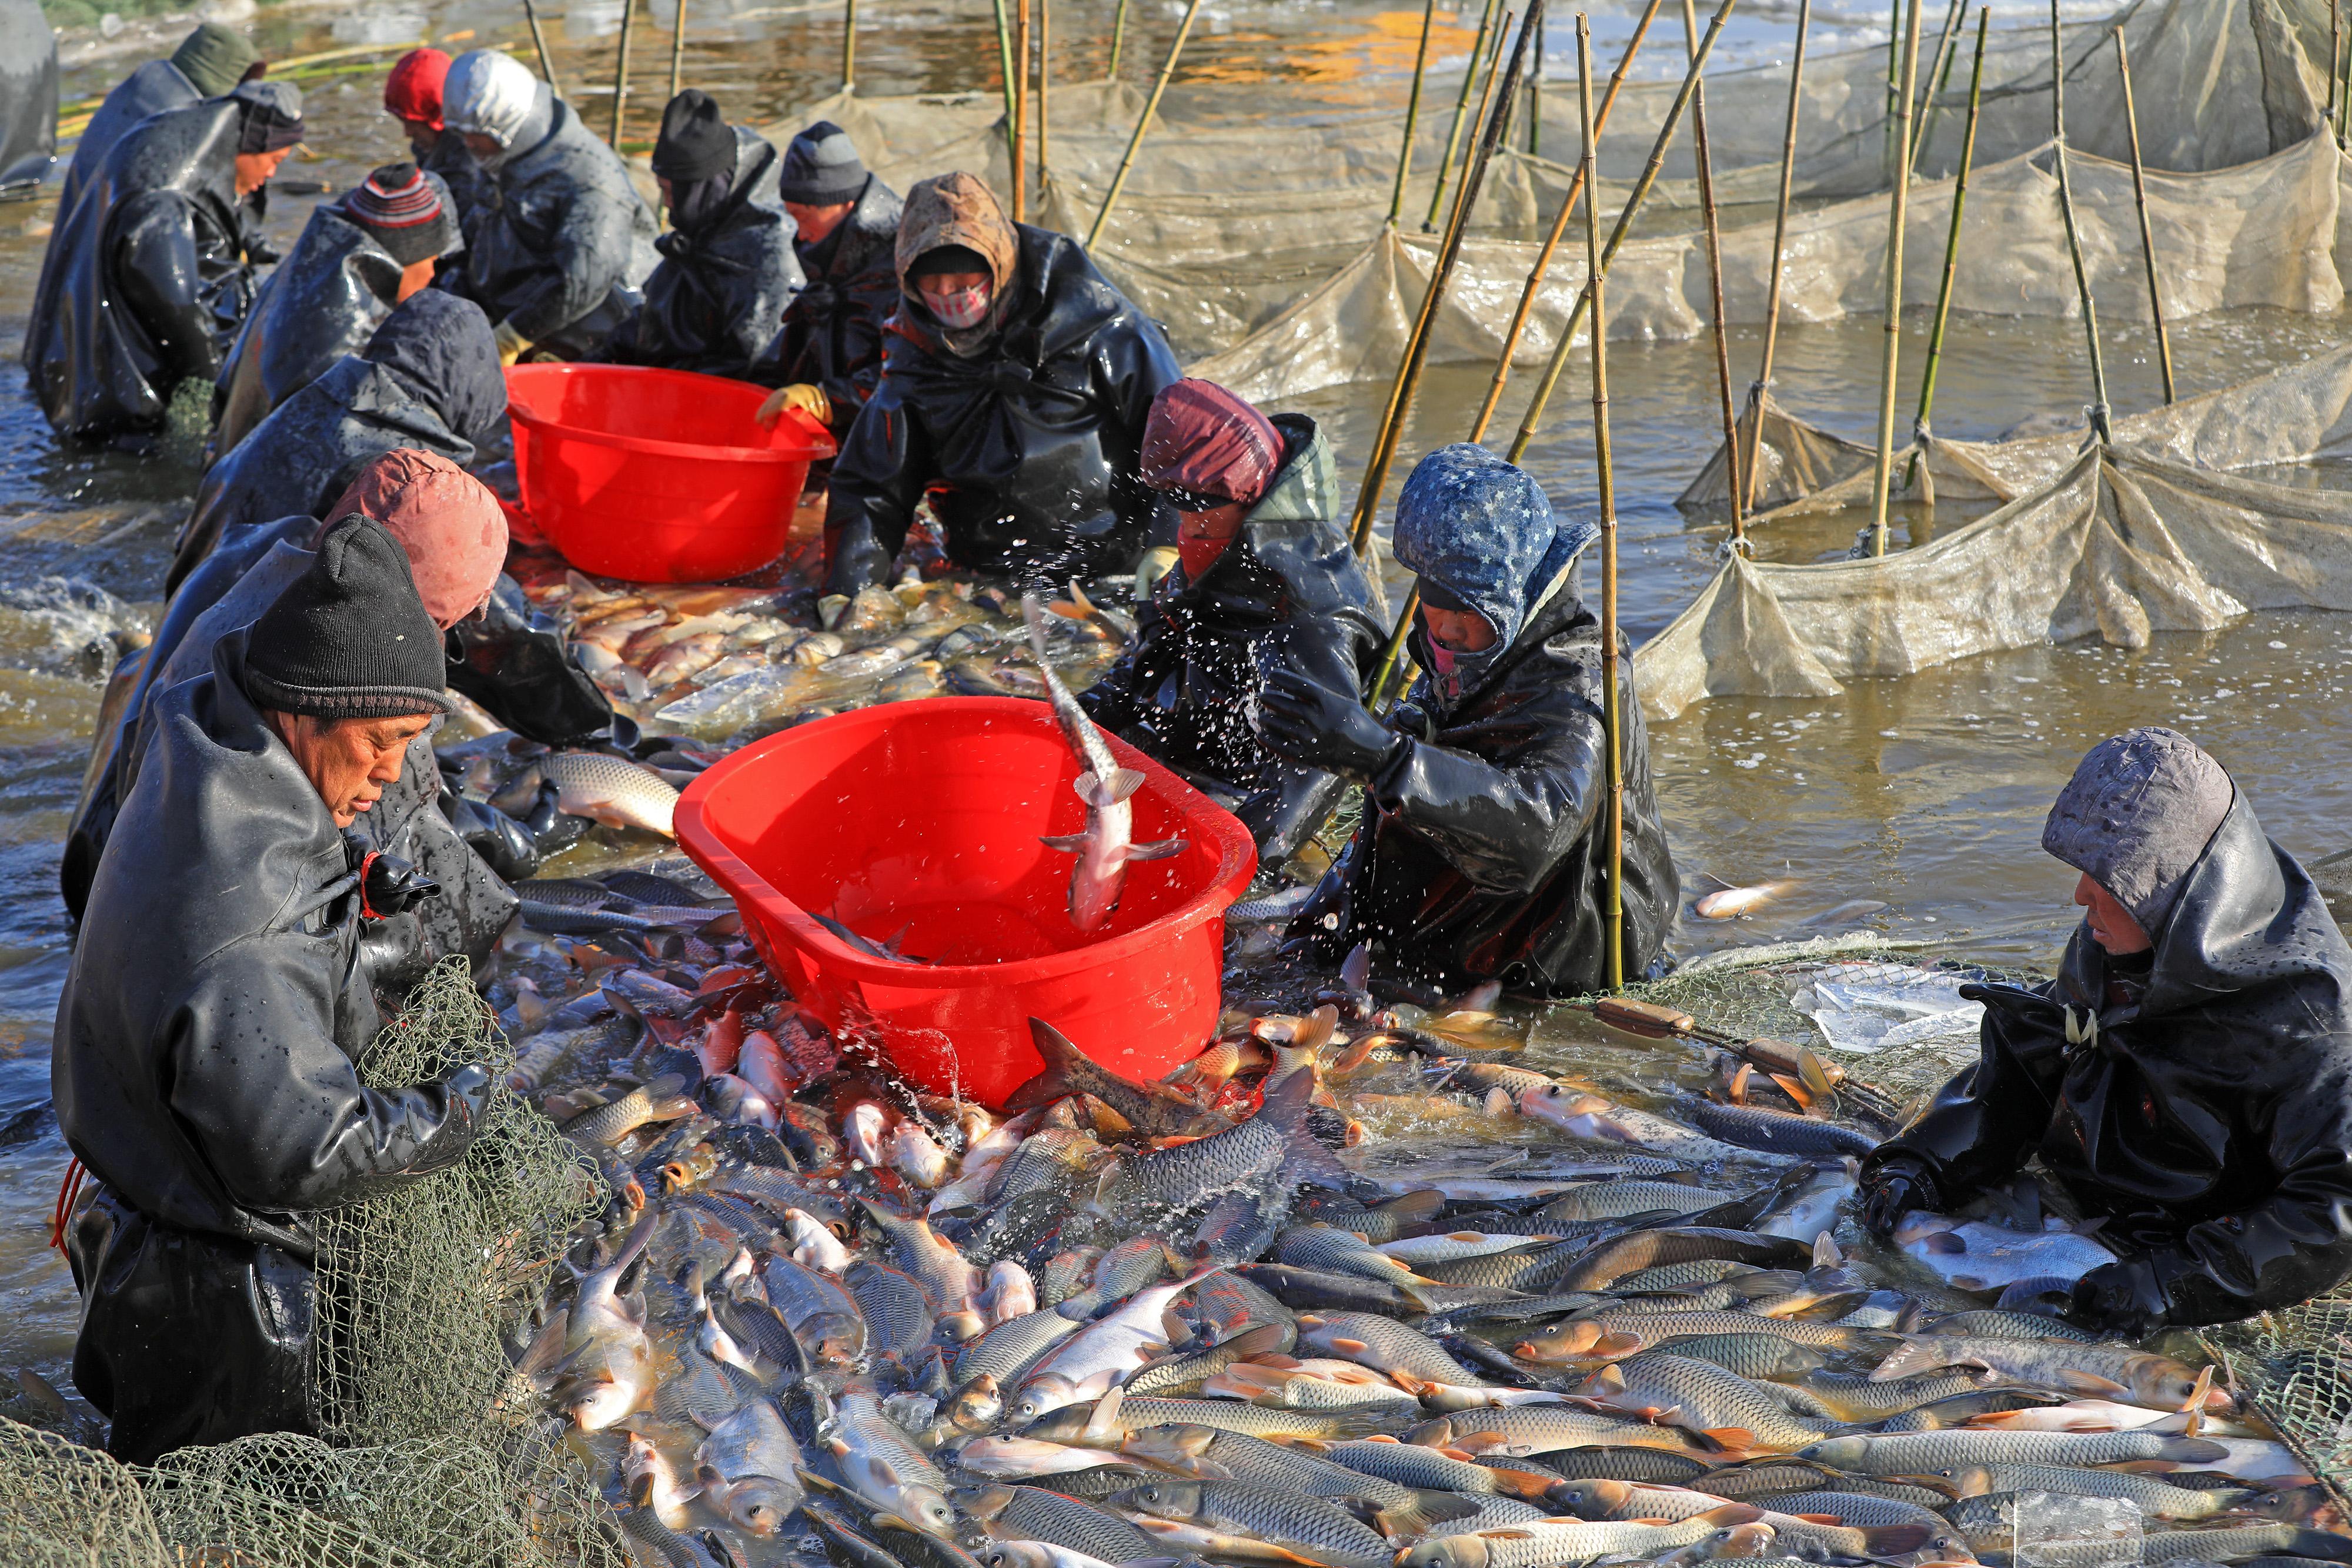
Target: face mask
x,y
1199,556
965,308
1442,665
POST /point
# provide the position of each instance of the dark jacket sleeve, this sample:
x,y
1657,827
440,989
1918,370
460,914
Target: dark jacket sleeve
x,y
1132,364
879,476
157,269
872,298
590,253
1989,1119
273,1102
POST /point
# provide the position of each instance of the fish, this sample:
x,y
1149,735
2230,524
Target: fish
x,y
1116,1415
1007,1351
650,1481
1028,1458
1154,1110
1106,846
1927,1453
2150,1494
612,790
948,1283
1731,902
1310,1385
1309,1526
1776,1131
1698,1396
916,1156
1100,1356
2145,1378
1009,1293
1540,1429
1385,1346
611,1124
880,1462
814,1244
1037,1515
1163,1184
1320,1246
1977,1256
608,1359
1209,1453
746,1467
1561,1544
1587,1115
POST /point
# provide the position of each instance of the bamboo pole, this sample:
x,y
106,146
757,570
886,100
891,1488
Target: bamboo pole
x,y
2335,65
1576,187
539,41
2343,89
678,48
1713,278
1117,40
1894,69
1044,78
1920,431
1413,113
2146,234
1143,122
1535,104
1465,200
1758,391
1461,108
621,69
1533,420
849,46
1020,111
2073,240
1942,62
1012,77
1898,207
1613,720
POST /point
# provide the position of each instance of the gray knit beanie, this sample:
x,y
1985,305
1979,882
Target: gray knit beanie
x,y
822,168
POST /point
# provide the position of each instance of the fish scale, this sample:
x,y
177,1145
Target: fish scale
x,y
1927,1453
1699,1397
1255,1460
1308,1525
1385,1346
2153,1495
893,1305
1008,1349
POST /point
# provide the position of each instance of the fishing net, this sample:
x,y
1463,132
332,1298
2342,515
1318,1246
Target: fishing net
x,y
2297,1365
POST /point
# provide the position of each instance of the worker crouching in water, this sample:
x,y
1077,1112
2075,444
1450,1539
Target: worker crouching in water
x,y
1483,854
2186,1077
1014,393
1265,581
207,1030
828,355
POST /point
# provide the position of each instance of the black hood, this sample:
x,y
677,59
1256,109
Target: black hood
x,y
444,348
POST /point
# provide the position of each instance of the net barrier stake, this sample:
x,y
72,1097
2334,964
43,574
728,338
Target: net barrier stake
x,y
1409,365
2098,409
1919,431
1461,110
1045,82
848,45
1938,69
1535,103
1533,420
1882,472
1118,41
539,41
2343,90
2146,234
1714,279
678,48
1763,383
2335,65
1020,111
1517,328
1004,61
621,69
1143,122
1894,69
1413,111
1597,274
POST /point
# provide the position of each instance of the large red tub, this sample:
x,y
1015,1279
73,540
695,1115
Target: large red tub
x,y
925,816
657,475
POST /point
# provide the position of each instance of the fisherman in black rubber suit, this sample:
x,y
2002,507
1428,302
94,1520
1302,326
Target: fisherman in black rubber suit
x,y
828,355
149,276
2187,1076
1015,388
1265,581
209,63
205,1037
1484,854
428,379
727,271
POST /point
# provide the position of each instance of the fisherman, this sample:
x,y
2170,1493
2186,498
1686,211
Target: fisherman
x,y
727,271
357,259
2187,1076
209,63
412,94
1014,389
1265,581
1484,850
556,257
206,1036
427,379
149,276
829,354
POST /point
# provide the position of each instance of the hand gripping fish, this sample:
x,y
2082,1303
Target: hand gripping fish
x,y
1107,845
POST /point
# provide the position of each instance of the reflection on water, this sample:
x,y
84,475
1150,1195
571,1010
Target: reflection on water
x,y
1926,793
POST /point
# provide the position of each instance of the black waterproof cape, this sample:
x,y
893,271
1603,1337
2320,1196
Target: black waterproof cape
x,y
1287,590
151,89
717,296
470,187
203,1071
1483,854
561,244
145,279
2209,1122
1028,448
324,300
29,97
832,335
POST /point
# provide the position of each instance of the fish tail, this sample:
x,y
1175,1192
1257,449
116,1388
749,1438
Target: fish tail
x,y
1424,1512
1033,615
1908,1360
1063,1060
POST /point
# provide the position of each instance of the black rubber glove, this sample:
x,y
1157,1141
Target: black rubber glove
x,y
1315,726
1892,1192
2124,1298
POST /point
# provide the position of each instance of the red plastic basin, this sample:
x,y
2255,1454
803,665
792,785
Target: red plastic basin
x,y
657,475
925,816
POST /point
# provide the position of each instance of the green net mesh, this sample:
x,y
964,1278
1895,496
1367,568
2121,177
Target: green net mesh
x,y
2297,1367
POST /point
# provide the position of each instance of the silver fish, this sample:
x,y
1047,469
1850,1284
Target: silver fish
x,y
614,791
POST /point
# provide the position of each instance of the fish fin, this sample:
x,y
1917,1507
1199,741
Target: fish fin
x,y
2195,1406
2075,1380
888,1521
1908,1360
1067,843
1158,850
1825,1251
546,1349
1814,1072
1099,790
1729,1438
1348,1346
1732,1513
1414,1207
1530,1485
1894,1540
1609,1380
1426,1509
1104,1422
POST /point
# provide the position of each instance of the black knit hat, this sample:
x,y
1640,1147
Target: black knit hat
x,y
822,168
349,638
273,116
696,142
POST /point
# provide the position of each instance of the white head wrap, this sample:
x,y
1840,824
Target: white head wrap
x,y
488,93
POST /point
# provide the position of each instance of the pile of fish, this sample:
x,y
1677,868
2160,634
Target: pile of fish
x,y
1354,1288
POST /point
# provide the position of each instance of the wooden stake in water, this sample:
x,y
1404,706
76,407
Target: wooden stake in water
x,y
1118,41
1413,113
1898,207
1020,111
2099,427
1143,122
1715,280
1920,431
1461,110
1535,104
1938,66
621,69
1763,384
848,45
539,41
678,48
1612,719
2146,234
1044,50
